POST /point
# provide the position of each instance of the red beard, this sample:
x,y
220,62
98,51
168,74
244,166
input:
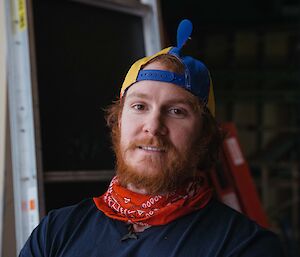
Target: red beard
x,y
160,175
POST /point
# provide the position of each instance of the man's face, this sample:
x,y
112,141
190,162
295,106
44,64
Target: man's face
x,y
159,129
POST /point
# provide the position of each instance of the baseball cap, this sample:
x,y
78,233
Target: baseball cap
x,y
196,78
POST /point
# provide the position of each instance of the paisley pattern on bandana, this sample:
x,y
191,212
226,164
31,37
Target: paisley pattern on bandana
x,y
151,210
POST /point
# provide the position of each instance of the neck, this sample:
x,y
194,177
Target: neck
x,y
144,191
132,188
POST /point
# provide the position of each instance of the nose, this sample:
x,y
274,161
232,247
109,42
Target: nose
x,y
154,124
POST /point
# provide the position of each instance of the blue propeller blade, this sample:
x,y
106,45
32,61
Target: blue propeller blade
x,y
184,31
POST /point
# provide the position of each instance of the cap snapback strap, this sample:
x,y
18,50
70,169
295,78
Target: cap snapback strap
x,y
161,75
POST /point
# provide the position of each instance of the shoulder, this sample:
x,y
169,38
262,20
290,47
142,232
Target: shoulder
x,y
58,226
62,223
224,216
228,231
84,208
227,220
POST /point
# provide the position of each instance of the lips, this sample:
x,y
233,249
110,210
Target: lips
x,y
151,148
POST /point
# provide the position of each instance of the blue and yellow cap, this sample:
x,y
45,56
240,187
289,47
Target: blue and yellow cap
x,y
196,78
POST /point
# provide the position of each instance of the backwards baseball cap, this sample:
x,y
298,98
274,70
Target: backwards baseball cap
x,y
196,78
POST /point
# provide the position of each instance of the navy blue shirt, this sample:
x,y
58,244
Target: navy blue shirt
x,y
214,231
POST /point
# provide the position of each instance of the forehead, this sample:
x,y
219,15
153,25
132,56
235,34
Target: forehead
x,y
157,65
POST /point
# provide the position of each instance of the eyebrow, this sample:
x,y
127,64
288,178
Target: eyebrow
x,y
171,101
181,101
139,95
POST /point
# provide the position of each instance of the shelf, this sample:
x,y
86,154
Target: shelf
x,y
78,176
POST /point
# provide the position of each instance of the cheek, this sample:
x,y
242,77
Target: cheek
x,y
184,137
178,136
124,134
182,142
128,130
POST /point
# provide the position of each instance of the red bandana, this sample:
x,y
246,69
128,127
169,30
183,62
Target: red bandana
x,y
148,210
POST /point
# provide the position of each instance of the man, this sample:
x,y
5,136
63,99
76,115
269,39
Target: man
x,y
159,204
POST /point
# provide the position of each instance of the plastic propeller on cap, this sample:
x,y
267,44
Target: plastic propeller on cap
x,y
184,32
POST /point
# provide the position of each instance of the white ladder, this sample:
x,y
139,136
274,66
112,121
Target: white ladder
x,y
3,108
21,122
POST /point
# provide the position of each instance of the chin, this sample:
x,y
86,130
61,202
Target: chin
x,y
144,162
145,168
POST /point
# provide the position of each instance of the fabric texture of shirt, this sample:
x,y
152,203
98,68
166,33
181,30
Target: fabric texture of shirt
x,y
214,231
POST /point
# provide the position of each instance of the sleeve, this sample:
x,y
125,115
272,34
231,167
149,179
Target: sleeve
x,y
36,243
263,244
